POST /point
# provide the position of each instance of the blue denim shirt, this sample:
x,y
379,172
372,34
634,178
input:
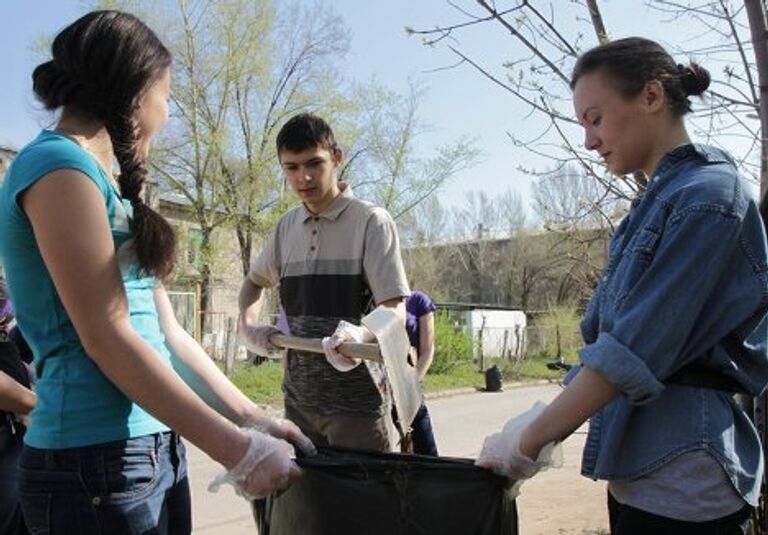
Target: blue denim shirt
x,y
686,280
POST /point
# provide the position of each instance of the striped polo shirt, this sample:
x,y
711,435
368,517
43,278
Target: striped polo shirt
x,y
332,266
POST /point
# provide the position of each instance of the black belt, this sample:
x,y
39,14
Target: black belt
x,y
697,375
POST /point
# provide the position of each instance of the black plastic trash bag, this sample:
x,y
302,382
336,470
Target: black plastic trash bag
x,y
352,492
493,379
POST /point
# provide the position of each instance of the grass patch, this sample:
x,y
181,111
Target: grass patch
x,y
529,369
467,374
263,383
459,376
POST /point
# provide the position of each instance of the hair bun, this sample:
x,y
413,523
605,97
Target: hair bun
x,y
694,78
53,86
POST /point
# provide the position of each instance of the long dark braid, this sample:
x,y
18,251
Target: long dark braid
x,y
102,65
152,233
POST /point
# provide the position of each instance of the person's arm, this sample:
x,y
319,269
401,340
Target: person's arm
x,y
426,344
383,265
249,302
69,219
206,379
263,273
585,395
198,370
14,397
255,335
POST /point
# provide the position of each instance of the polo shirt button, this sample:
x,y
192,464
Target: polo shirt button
x,y
315,219
314,231
96,501
312,248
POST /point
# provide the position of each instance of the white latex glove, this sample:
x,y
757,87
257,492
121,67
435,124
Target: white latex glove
x,y
345,332
501,451
283,429
265,467
256,339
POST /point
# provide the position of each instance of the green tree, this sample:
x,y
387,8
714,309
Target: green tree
x,y
240,68
385,164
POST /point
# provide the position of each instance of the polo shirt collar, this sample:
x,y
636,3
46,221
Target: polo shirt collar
x,y
335,209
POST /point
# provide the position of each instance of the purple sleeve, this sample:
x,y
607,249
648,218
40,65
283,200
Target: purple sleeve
x,y
419,304
282,323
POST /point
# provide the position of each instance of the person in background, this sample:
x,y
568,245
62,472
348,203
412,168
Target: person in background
x,y
420,325
16,400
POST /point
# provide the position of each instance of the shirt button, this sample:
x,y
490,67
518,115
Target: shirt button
x,y
315,219
312,248
96,501
314,231
655,179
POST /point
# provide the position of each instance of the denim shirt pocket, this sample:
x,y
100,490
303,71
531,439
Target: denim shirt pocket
x,y
633,261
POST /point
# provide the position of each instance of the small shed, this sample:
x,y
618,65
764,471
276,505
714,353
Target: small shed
x,y
497,333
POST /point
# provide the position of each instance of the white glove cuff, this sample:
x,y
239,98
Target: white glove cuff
x,y
260,447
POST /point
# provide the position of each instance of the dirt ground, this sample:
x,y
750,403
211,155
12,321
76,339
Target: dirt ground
x,y
563,502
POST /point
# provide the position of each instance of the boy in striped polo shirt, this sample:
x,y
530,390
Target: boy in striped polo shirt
x,y
335,258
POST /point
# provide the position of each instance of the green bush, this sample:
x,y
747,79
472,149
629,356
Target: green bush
x,y
453,346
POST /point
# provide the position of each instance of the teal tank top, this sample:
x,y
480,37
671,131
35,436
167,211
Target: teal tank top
x,y
77,405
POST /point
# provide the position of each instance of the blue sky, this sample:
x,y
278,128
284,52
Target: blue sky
x,y
459,101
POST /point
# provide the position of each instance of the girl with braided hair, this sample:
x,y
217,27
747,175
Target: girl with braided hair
x,y
118,379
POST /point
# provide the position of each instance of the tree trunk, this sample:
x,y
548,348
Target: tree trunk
x,y
756,14
758,26
597,22
206,280
206,289
245,242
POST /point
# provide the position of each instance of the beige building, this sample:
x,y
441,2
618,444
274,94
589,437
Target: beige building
x,y
187,282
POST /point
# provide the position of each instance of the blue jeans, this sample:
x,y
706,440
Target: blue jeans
x,y
423,437
11,436
133,486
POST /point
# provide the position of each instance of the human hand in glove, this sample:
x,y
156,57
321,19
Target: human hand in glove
x,y
256,338
501,451
283,429
345,332
265,467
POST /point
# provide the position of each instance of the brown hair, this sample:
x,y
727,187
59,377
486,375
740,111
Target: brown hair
x,y
102,65
633,62
305,131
